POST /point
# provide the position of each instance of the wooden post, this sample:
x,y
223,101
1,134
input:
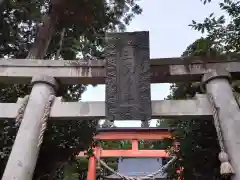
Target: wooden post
x,y
135,145
22,161
217,84
92,164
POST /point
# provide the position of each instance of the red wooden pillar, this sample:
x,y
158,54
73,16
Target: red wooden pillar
x,y
135,145
92,164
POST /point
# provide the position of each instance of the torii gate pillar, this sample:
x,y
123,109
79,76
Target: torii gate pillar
x,y
22,160
92,168
217,83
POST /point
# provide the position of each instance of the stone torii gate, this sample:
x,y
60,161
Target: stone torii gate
x,y
127,72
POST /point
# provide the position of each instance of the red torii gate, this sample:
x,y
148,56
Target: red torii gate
x,y
131,134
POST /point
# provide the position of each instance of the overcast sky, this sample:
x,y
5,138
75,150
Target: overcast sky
x,y
167,22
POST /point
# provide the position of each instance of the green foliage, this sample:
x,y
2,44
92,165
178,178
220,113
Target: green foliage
x,y
70,171
224,35
206,1
85,24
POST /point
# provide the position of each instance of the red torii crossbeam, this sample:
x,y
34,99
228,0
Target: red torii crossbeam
x,y
131,134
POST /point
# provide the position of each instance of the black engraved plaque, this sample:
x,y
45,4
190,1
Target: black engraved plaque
x,y
128,76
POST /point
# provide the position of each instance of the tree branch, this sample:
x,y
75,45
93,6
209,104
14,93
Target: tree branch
x,y
60,43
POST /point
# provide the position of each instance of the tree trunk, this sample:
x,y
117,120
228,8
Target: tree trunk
x,y
58,53
44,36
1,2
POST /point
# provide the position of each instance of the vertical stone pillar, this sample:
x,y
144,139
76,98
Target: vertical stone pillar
x,y
22,161
217,84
